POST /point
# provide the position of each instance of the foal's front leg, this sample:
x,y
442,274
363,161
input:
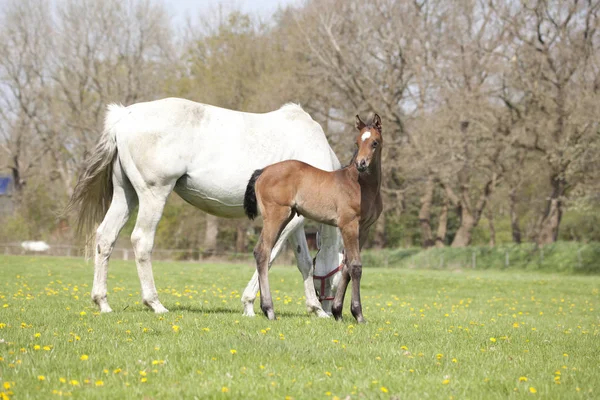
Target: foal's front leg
x,y
353,271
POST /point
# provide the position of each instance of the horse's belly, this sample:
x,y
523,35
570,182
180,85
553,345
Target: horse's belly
x,y
220,203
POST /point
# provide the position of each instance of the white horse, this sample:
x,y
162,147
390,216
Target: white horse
x,y
206,155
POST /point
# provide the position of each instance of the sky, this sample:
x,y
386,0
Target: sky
x,y
181,9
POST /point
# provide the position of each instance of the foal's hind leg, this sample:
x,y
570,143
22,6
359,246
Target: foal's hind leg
x,y
152,202
123,202
274,221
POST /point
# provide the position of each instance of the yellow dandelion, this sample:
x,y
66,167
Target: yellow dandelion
x,y
327,373
84,357
41,378
74,382
175,328
493,339
523,379
83,313
233,351
224,389
47,348
445,381
37,334
116,371
454,360
143,373
403,348
7,385
143,380
383,389
439,356
62,380
532,390
516,325
99,383
37,347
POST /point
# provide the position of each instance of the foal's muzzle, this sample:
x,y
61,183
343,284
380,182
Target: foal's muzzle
x,y
362,166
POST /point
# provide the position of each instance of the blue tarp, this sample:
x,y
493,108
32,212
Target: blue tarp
x,y
5,185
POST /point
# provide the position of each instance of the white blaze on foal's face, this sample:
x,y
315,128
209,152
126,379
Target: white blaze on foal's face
x,y
366,135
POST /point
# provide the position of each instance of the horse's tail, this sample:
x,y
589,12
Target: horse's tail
x,y
93,193
250,205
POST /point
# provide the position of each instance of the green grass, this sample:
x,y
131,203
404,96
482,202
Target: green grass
x,y
574,258
431,334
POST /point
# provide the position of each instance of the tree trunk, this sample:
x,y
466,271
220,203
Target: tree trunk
x,y
379,239
467,223
490,217
551,220
210,235
440,237
469,219
514,217
241,243
425,214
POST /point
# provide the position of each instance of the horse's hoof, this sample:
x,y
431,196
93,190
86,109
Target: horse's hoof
x,y
248,312
105,309
322,314
159,309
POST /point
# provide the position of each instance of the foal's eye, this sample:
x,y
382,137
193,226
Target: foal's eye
x,y
375,144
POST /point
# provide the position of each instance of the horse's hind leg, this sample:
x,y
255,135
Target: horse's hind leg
x,y
152,202
275,220
123,202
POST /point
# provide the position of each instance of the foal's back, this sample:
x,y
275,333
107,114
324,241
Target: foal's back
x,y
309,191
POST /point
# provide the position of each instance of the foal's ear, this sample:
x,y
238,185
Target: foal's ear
x,y
377,122
358,123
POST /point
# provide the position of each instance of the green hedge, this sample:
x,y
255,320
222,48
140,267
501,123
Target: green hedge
x,y
564,257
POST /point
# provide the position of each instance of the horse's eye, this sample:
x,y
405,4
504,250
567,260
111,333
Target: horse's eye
x,y
375,144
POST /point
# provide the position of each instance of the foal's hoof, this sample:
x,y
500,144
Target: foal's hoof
x,y
270,314
337,313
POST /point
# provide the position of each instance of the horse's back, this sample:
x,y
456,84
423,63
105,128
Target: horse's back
x,y
211,151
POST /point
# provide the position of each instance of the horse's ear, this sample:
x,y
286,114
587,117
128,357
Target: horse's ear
x,y
377,122
359,124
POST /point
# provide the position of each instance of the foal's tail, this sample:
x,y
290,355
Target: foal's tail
x,y
250,206
93,193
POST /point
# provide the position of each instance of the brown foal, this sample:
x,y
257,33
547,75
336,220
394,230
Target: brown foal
x,y
348,198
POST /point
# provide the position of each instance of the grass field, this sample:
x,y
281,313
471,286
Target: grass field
x,y
431,334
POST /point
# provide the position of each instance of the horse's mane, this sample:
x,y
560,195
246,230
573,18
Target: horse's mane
x,y
291,106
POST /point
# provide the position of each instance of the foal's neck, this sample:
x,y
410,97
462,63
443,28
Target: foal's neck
x,y
370,179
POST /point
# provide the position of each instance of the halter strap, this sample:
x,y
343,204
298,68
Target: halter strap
x,y
323,277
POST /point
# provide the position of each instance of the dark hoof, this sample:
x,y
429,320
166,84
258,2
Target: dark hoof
x,y
269,313
337,313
